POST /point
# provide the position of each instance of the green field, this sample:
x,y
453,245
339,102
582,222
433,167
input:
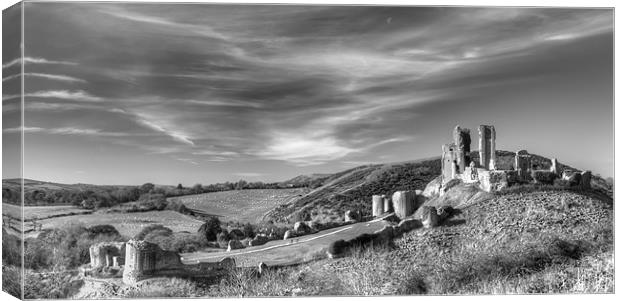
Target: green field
x,y
128,224
248,205
41,212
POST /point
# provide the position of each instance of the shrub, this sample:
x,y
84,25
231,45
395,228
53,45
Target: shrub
x,y
152,201
148,229
210,228
236,234
223,238
338,247
177,206
248,230
102,230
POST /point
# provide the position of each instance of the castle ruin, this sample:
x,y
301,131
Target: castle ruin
x,y
141,260
492,172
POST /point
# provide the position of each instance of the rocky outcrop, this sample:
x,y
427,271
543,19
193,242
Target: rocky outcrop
x,y
432,188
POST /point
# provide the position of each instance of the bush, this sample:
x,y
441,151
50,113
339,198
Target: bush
x,y
148,229
177,206
236,234
223,238
210,228
338,247
248,230
149,201
102,230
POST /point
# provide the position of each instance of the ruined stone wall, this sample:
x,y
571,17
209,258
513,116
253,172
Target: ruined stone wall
x,y
103,254
486,146
404,203
145,260
505,162
496,180
523,165
462,141
448,162
377,205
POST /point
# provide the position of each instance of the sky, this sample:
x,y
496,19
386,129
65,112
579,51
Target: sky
x,y
119,93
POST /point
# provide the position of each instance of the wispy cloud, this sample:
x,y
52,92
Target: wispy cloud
x,y
35,60
65,94
199,29
153,125
63,78
70,131
186,160
226,103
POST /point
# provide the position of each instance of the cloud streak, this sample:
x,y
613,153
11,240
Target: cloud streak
x,y
35,60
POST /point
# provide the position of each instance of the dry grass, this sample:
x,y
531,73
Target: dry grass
x,y
164,288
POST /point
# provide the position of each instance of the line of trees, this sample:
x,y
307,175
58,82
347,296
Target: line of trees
x,y
108,196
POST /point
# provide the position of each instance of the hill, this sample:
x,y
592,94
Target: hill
x,y
352,189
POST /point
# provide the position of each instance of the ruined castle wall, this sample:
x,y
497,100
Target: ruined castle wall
x,y
404,203
102,254
462,140
486,146
377,205
448,162
144,260
505,162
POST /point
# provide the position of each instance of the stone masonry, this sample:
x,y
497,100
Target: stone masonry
x,y
486,146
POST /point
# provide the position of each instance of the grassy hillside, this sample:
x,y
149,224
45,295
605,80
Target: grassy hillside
x,y
352,189
248,205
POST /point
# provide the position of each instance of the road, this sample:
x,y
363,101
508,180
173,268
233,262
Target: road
x,y
290,251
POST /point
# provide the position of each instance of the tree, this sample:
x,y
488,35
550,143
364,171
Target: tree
x,y
197,189
146,187
210,228
248,230
180,186
240,185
